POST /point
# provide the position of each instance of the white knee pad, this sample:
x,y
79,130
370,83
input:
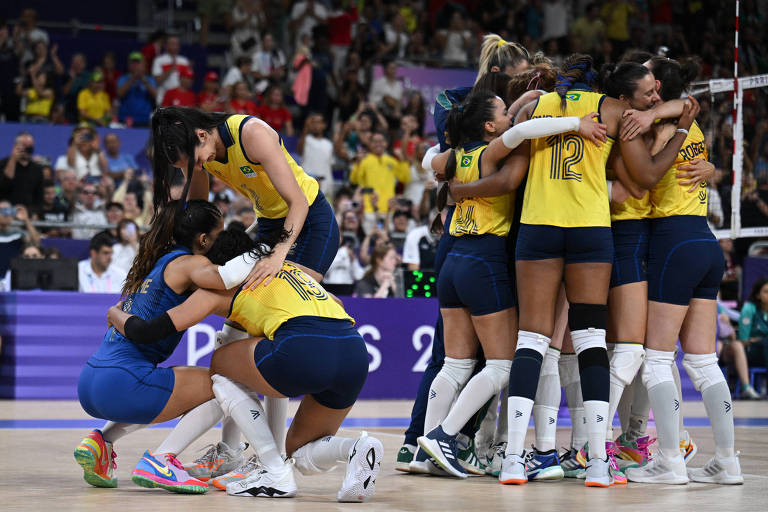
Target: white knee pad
x,y
568,367
497,371
703,370
230,394
584,339
229,334
458,371
657,368
625,362
532,341
302,459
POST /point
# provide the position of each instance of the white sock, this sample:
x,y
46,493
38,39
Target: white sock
x,y
323,454
480,388
547,402
596,412
502,425
230,432
485,434
192,425
717,401
679,387
519,413
569,378
666,412
640,407
444,389
112,431
277,412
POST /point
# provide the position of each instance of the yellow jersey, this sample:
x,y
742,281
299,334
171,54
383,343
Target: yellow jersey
x,y
291,294
566,177
479,215
669,197
381,173
632,208
249,178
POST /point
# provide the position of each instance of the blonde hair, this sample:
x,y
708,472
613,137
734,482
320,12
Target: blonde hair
x,y
495,51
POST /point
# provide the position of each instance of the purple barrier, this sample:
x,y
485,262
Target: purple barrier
x,y
754,268
69,248
48,336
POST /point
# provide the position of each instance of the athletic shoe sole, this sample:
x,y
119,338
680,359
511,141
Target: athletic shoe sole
x,y
365,473
150,483
550,474
85,456
431,447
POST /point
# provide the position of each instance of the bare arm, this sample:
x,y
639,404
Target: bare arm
x,y
637,122
617,164
507,179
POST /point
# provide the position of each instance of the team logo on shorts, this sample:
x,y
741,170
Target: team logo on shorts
x,y
247,171
466,161
573,96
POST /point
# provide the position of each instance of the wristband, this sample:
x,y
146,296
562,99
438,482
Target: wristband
x,y
682,130
237,269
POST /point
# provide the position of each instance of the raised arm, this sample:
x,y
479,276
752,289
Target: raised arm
x,y
637,122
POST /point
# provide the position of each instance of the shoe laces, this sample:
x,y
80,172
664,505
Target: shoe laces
x,y
644,445
249,465
112,459
173,460
212,452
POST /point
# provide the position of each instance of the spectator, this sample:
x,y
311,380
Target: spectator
x,y
416,108
352,94
421,246
68,187
79,78
10,105
26,34
51,209
316,152
43,61
456,40
93,103
387,92
153,48
715,215
395,37
32,252
137,92
115,213
729,285
39,98
268,64
304,16
556,14
352,233
209,99
274,113
379,281
223,203
752,346
588,29
340,25
377,173
88,212
126,245
136,199
21,181
399,230
118,163
84,156
97,274
616,16
247,21
344,271
12,238
241,102
182,96
240,72
166,67
111,75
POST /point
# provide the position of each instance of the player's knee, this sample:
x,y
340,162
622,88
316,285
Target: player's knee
x,y
458,371
527,340
228,393
703,370
625,363
657,368
497,372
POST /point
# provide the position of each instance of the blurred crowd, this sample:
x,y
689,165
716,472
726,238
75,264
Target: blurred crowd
x,y
307,69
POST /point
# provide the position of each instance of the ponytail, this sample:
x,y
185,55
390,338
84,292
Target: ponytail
x,y
497,52
577,69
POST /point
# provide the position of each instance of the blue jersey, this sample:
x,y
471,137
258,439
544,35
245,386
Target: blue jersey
x,y
153,298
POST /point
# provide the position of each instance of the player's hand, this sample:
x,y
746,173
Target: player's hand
x,y
690,111
456,189
635,123
264,271
593,130
695,172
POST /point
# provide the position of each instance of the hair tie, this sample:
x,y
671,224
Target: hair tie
x,y
501,43
536,77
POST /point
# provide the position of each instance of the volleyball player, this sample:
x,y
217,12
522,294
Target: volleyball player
x,y
303,343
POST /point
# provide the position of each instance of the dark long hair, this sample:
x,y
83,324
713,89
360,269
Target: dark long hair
x,y
495,82
541,76
674,76
577,69
233,242
754,295
173,224
173,136
621,79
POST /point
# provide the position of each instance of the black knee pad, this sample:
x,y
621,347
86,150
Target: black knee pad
x,y
524,376
595,374
584,316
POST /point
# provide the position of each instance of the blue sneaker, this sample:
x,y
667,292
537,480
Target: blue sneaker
x,y
443,448
543,466
423,464
164,471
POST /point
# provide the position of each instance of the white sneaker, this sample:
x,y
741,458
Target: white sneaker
x,y
719,470
598,473
268,483
513,469
218,460
363,466
660,470
237,474
426,467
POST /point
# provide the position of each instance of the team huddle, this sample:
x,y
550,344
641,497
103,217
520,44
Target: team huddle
x,y
574,220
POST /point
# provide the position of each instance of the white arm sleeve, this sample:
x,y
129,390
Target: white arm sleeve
x,y
431,153
228,334
536,128
237,269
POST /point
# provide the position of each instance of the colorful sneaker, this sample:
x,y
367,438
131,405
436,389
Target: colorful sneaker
x,y
719,470
513,469
363,467
404,457
236,474
633,453
496,456
443,448
687,447
469,459
582,456
543,466
97,458
216,461
266,483
660,470
572,468
422,464
164,471
598,473
618,476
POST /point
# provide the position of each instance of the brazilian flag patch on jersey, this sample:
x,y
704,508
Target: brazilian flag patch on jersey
x,y
466,161
247,171
573,96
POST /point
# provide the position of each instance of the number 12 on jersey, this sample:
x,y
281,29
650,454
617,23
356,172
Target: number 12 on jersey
x,y
567,151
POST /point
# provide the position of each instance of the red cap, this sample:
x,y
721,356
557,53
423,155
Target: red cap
x,y
185,72
212,75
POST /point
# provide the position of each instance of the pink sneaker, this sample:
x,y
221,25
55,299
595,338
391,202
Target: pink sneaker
x,y
633,453
618,476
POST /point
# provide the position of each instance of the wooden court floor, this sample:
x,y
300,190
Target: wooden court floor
x,y
38,472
